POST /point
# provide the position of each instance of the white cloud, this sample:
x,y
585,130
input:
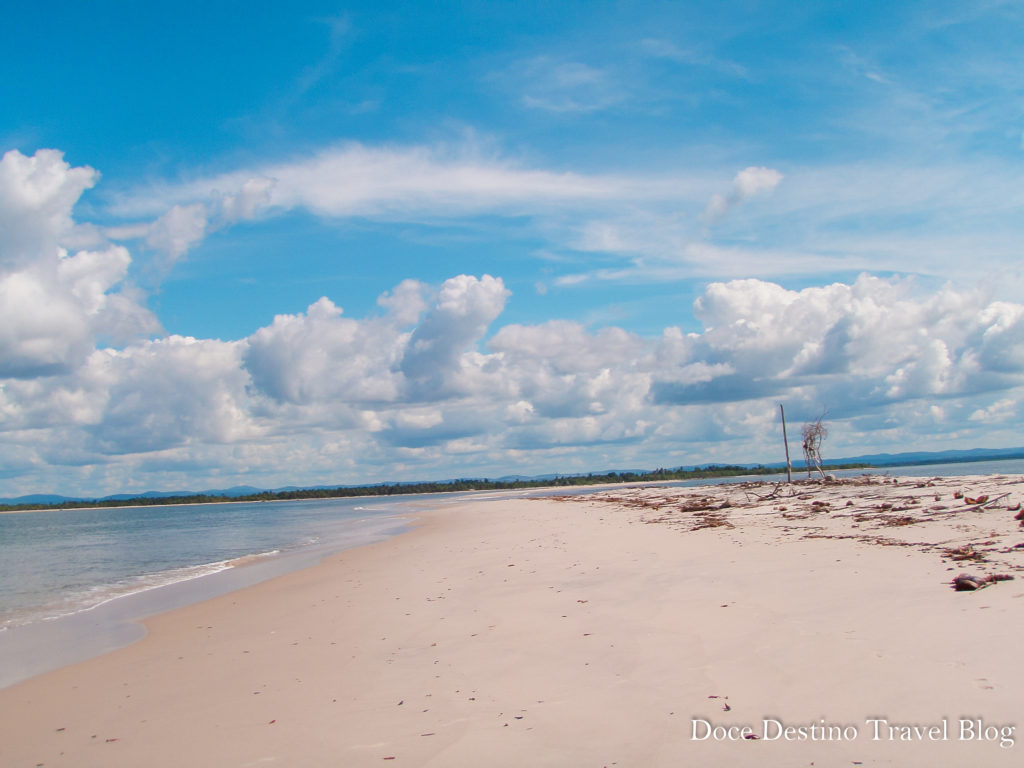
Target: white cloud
x,y
37,194
564,86
406,302
432,372
41,330
360,180
466,305
747,183
955,221
750,181
405,390
183,226
321,356
861,345
436,428
1000,412
170,392
559,370
151,396
394,183
246,203
55,305
408,183
89,275
178,230
1002,340
419,418
648,227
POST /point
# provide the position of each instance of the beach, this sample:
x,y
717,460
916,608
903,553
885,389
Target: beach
x,y
743,624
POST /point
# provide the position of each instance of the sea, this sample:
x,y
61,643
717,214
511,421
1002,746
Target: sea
x,y
75,583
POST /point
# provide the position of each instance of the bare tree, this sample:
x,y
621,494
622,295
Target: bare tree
x,y
814,433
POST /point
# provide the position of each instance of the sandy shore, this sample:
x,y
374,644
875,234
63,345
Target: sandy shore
x,y
588,632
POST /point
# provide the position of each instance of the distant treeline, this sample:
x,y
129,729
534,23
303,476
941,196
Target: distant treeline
x,y
449,486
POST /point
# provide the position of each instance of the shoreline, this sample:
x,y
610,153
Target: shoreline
x,y
48,642
230,501
568,632
898,469
371,496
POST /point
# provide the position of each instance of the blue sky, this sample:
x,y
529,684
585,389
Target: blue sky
x,y
353,242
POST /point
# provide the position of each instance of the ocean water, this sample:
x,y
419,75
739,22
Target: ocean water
x,y
58,562
1001,467
75,583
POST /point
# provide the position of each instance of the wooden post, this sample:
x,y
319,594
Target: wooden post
x,y
785,439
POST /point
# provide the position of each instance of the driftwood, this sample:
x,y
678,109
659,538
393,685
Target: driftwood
x,y
773,494
982,503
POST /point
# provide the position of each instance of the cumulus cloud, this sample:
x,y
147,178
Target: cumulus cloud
x,y
560,369
439,427
747,183
465,306
1000,412
418,379
1001,326
408,387
871,343
321,356
431,372
146,397
37,194
55,305
170,392
406,302
41,330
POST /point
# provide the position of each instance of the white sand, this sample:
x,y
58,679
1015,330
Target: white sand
x,y
579,633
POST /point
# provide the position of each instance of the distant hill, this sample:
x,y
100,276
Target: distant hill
x,y
43,498
553,475
913,458
936,457
238,490
38,498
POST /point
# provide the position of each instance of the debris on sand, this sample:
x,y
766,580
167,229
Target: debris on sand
x,y
870,509
967,582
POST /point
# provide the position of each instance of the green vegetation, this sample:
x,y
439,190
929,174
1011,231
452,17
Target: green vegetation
x,y
451,486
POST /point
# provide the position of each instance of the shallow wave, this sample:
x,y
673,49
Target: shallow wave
x,y
249,559
93,597
334,534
